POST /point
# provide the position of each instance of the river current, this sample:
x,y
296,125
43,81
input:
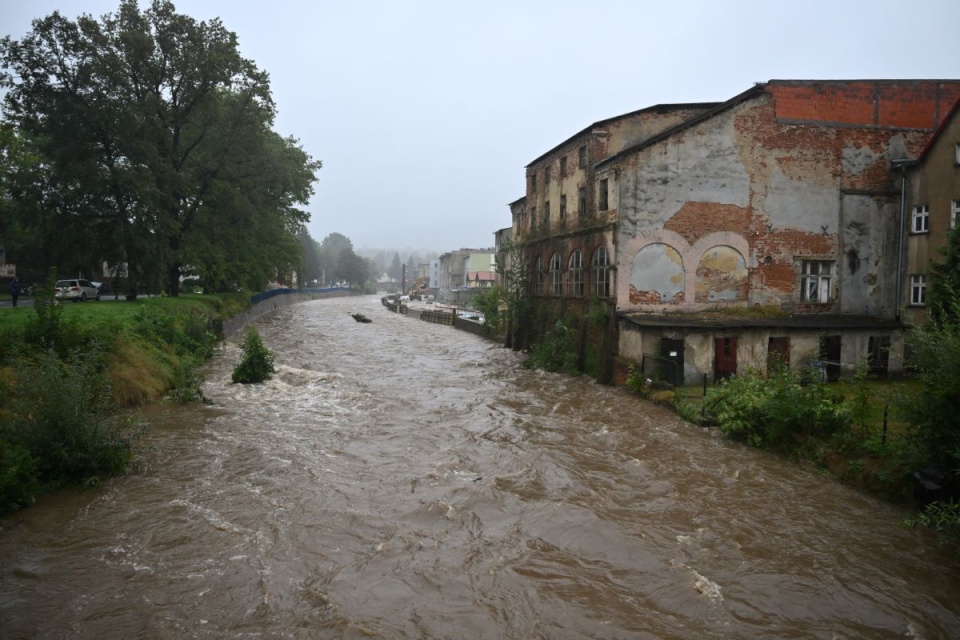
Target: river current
x,y
401,479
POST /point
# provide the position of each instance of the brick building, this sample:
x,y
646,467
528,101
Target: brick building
x,y
764,225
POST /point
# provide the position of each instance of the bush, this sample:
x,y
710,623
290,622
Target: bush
x,y
56,426
775,411
256,363
554,352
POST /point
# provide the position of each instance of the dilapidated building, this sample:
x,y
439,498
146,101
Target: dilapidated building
x,y
765,226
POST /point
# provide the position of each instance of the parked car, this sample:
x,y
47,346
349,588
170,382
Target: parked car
x,y
77,290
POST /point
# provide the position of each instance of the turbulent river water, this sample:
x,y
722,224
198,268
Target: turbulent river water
x,y
400,479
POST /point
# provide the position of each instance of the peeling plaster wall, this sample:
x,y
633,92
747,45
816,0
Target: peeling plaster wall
x,y
788,190
868,267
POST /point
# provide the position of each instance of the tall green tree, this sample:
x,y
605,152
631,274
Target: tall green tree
x,y
945,281
352,268
158,138
396,268
330,250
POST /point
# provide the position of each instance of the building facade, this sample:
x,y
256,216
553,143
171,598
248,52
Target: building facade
x,y
724,235
930,210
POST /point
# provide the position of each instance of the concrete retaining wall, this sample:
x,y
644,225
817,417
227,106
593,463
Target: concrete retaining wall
x,y
270,300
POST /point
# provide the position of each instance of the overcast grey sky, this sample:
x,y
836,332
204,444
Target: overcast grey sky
x,y
425,113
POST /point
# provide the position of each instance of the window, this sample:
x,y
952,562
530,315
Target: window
x,y
546,214
602,200
954,214
582,200
957,158
546,175
533,218
538,275
563,207
575,274
601,272
918,289
556,276
563,167
582,155
533,182
921,219
815,279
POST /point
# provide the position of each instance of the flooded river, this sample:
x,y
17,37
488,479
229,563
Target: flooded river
x,y
406,480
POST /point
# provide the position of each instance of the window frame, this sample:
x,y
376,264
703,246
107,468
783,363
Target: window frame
x,y
603,195
601,272
954,213
533,181
563,166
546,214
547,175
575,274
920,219
816,281
533,217
563,206
582,156
918,290
556,275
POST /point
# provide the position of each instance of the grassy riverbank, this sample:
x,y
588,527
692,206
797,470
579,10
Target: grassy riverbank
x,y
853,430
67,371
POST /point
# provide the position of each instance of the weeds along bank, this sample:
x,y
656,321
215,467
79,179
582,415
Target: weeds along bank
x,y
67,372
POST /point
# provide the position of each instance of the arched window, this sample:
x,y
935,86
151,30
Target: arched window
x,y
575,274
601,272
538,275
556,275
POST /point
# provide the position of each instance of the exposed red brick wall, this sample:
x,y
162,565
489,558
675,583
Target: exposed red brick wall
x,y
850,103
696,219
910,104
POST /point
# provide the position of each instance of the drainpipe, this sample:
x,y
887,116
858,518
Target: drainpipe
x,y
902,164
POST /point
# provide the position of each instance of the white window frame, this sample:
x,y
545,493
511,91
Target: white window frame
x,y
575,274
816,281
918,290
920,221
954,213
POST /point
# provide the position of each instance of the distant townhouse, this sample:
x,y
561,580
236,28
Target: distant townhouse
x,y
724,235
930,210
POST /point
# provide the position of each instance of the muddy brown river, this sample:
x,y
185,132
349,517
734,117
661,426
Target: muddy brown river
x,y
406,480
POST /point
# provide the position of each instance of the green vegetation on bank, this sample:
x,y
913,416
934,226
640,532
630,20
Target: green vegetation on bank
x,y
68,370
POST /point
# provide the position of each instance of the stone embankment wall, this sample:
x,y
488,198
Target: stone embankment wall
x,y
271,300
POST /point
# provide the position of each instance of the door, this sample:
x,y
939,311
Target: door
x,y
671,361
878,355
830,355
778,352
725,360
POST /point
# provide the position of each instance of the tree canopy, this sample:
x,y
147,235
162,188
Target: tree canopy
x,y
155,149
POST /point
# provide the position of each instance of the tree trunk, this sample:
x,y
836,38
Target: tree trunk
x,y
173,281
